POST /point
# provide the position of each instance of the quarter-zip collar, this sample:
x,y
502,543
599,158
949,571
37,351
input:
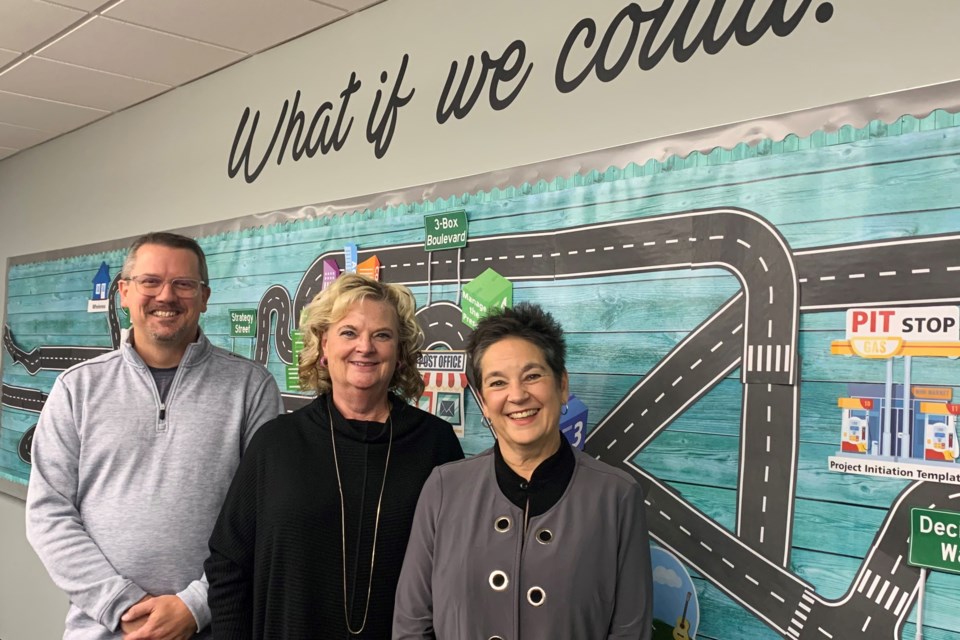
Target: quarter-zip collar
x,y
196,352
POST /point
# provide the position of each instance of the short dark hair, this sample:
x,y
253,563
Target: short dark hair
x,y
527,321
166,239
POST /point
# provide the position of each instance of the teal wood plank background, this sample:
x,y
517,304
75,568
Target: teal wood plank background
x,y
883,182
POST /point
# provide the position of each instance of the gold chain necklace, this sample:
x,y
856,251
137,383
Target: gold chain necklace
x,y
343,524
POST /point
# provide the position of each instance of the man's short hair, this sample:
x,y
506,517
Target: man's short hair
x,y
170,240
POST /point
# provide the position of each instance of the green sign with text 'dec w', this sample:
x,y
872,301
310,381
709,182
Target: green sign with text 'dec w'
x,y
445,230
934,539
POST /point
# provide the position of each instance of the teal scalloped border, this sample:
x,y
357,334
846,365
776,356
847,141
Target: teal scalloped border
x,y
937,119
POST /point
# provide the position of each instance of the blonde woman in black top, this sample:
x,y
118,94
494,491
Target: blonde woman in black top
x,y
311,537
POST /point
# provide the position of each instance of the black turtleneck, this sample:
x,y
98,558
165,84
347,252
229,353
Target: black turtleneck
x,y
276,564
547,482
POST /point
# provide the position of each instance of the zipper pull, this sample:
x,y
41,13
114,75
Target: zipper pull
x,y
162,422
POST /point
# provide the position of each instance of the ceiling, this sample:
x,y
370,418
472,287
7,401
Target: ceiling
x,y
67,63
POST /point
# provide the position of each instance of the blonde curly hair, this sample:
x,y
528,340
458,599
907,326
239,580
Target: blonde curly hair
x,y
333,303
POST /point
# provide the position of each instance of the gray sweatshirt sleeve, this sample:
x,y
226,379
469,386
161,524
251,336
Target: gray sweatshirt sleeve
x,y
195,597
55,528
264,405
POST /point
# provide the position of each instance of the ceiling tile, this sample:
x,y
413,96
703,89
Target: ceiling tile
x,y
245,25
4,152
138,52
26,23
13,137
7,56
86,5
77,85
45,115
349,5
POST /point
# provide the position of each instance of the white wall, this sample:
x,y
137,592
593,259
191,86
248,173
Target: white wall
x,y
163,164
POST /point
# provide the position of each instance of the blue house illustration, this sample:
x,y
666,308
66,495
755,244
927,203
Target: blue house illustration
x,y
101,283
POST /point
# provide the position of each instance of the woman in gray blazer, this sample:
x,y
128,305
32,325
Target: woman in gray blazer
x,y
532,538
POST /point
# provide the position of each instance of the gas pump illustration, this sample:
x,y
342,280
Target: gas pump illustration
x,y
854,438
855,425
941,439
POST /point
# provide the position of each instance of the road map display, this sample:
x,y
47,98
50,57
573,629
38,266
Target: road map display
x,y
718,313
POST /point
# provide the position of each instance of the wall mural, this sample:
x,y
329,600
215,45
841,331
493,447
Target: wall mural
x,y
765,337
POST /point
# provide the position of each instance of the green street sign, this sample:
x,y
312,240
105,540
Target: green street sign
x,y
445,230
243,323
935,539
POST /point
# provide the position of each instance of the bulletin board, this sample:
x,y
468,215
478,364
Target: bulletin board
x,y
737,326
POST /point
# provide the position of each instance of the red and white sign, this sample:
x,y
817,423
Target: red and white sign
x,y
911,324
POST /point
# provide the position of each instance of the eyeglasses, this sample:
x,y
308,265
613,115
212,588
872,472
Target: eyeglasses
x,y
152,285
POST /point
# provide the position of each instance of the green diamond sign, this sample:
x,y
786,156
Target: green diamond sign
x,y
935,539
483,294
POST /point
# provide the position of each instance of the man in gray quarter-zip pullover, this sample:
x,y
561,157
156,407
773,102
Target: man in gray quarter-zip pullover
x,y
134,452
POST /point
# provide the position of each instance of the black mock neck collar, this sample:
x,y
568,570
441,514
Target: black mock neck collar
x,y
369,431
547,482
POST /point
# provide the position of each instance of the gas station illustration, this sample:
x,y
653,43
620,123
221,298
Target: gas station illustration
x,y
900,422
